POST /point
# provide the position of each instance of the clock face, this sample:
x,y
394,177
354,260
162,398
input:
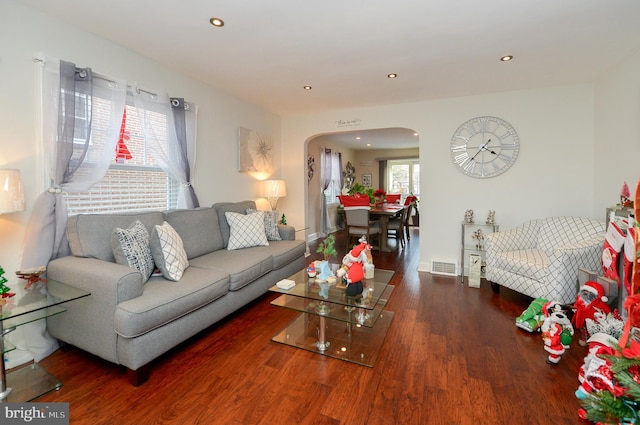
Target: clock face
x,y
484,147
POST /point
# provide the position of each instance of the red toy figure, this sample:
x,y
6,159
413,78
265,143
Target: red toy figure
x,y
553,343
353,269
589,300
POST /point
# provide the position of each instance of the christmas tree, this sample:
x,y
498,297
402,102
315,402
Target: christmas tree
x,y
619,403
5,291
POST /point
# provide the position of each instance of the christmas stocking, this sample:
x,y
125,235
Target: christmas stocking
x,y
614,239
629,254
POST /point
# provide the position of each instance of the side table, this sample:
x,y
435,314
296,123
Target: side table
x,y
473,243
32,381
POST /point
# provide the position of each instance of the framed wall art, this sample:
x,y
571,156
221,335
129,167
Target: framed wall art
x,y
255,152
366,180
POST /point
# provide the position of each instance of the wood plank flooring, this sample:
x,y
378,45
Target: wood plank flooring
x,y
452,356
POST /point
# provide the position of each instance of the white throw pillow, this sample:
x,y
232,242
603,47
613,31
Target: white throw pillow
x,y
131,248
168,251
246,230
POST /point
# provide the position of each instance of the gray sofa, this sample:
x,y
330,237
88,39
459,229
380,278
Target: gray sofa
x,y
131,322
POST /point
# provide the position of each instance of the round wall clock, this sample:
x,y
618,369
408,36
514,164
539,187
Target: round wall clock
x,y
484,147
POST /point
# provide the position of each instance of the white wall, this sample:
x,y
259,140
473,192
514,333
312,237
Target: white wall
x,y
552,176
24,32
617,134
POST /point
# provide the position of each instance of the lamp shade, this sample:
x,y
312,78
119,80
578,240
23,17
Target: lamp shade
x,y
11,193
274,189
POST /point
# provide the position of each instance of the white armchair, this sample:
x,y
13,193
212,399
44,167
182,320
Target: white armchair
x,y
541,258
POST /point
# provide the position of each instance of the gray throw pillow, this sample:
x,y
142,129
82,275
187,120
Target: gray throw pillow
x,y
270,224
131,248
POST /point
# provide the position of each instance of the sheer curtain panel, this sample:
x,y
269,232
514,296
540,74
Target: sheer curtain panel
x,y
77,152
174,149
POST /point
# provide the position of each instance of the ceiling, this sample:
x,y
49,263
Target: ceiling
x,y
344,49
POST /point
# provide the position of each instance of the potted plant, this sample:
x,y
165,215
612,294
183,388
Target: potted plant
x,y
416,217
327,247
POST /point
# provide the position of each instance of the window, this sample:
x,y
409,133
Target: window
x,y
335,186
133,184
403,176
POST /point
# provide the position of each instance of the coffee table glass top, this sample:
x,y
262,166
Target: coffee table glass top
x,y
310,288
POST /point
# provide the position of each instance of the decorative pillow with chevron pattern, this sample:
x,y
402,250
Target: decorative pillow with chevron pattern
x,y
168,251
246,230
131,248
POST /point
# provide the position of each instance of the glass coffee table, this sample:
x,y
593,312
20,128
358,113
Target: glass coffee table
x,y
333,324
32,381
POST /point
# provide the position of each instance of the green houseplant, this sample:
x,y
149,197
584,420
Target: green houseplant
x,y
416,217
327,247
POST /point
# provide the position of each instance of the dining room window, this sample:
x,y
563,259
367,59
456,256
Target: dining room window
x,y
403,176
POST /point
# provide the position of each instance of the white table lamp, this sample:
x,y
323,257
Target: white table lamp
x,y
273,190
11,193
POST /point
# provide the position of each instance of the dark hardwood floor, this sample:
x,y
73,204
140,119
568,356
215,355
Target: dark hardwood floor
x,y
452,356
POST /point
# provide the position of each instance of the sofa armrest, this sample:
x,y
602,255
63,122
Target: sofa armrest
x,y
109,283
287,233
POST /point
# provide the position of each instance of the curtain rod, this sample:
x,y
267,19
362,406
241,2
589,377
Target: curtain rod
x,y
107,79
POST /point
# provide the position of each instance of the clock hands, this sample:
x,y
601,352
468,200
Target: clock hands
x,y
484,148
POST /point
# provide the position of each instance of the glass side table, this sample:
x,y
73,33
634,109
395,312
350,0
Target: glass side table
x,y
38,302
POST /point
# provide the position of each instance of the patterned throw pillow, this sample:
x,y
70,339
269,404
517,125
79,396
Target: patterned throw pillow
x,y
131,248
270,224
246,230
168,251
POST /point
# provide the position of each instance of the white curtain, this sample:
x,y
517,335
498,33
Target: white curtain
x,y
77,152
175,148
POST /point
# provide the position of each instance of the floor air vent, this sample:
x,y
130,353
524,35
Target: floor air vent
x,y
442,267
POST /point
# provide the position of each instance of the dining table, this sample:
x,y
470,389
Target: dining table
x,y
382,213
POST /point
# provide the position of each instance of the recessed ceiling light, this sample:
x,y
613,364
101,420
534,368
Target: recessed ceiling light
x,y
217,22
392,75
368,144
506,58
357,137
307,87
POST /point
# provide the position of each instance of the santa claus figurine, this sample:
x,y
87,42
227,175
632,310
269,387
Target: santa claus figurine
x,y
352,269
589,300
595,373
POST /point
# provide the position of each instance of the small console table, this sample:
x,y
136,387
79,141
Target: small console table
x,y
333,324
32,381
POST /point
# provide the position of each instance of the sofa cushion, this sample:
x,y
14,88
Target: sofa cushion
x,y
131,248
199,229
224,207
90,234
270,224
164,301
283,252
524,262
246,230
168,251
243,265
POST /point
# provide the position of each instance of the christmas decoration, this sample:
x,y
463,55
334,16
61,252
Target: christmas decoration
x,y
629,253
613,241
635,274
352,270
122,152
589,301
606,323
557,331
32,275
615,393
625,200
531,319
5,291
